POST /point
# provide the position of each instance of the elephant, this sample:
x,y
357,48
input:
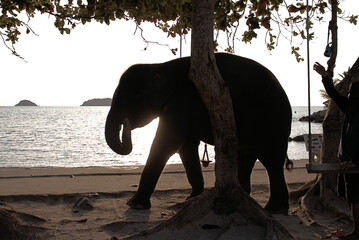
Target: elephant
x,y
262,113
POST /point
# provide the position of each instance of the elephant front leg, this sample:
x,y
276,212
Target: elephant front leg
x,y
166,143
190,159
148,181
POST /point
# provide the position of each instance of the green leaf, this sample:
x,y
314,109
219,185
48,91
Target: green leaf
x,y
296,54
353,19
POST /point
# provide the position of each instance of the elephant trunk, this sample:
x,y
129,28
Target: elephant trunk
x,y
112,134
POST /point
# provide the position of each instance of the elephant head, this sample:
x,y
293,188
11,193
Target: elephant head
x,y
135,103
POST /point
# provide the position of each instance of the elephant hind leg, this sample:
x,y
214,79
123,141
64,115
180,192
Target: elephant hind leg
x,y
279,197
190,159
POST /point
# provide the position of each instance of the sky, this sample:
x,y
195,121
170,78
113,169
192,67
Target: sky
x,y
66,70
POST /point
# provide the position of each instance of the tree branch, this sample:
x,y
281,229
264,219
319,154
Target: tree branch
x,y
173,50
334,30
12,49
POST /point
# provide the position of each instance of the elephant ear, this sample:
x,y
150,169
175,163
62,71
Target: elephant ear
x,y
163,88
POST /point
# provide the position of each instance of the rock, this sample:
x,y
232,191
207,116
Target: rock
x,y
26,103
83,203
98,102
316,117
299,138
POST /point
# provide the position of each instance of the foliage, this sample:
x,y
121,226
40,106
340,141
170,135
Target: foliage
x,y
278,18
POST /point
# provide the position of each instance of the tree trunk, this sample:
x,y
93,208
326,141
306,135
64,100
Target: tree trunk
x,y
215,94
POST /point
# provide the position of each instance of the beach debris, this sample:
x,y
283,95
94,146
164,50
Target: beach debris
x,y
335,234
293,212
83,203
96,195
338,233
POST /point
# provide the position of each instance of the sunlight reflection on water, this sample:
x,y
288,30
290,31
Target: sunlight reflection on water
x,y
74,137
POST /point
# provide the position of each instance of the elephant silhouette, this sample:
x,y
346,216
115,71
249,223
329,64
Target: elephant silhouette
x,y
262,112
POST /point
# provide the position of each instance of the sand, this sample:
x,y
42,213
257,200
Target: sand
x,y
41,201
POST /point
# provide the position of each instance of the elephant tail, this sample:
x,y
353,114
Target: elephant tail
x,y
288,164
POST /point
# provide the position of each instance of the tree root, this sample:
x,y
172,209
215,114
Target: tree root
x,y
12,228
317,201
301,191
208,217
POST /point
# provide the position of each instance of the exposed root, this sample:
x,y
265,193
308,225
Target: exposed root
x,y
301,191
318,201
11,228
208,216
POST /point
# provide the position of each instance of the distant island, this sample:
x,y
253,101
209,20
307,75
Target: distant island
x,y
26,103
98,102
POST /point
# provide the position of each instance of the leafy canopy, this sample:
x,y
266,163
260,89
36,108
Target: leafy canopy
x,y
277,18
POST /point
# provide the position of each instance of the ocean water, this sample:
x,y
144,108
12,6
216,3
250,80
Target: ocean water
x,y
74,137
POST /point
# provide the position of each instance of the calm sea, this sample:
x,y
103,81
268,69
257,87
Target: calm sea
x,y
74,137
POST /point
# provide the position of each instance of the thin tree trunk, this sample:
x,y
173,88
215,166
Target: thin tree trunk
x,y
333,119
334,30
324,189
323,194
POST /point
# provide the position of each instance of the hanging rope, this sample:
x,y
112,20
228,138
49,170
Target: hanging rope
x,y
308,76
180,23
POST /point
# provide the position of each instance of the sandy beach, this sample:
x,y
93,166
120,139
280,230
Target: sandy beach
x,y
41,200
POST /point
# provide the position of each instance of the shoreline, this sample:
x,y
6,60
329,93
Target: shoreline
x,y
24,181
